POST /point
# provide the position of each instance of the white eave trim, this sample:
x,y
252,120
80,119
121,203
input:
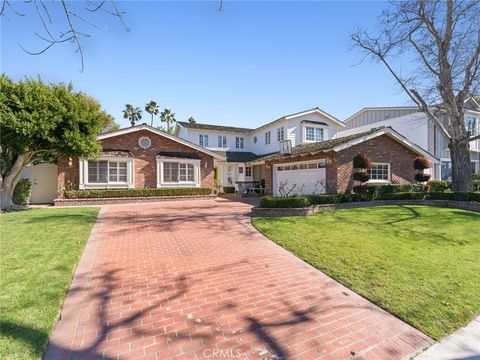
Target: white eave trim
x,y
390,132
318,111
161,133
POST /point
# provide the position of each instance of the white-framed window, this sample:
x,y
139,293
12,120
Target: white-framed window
x,y
144,142
248,171
280,134
239,142
240,170
98,172
222,141
267,138
313,133
203,140
178,172
117,171
107,172
379,172
104,172
471,123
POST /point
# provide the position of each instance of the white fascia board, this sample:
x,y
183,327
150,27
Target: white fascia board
x,y
161,133
381,108
393,134
318,111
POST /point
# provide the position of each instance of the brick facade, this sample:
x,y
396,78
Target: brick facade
x,y
339,167
145,164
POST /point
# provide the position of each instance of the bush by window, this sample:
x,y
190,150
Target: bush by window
x,y
361,176
114,193
229,189
421,163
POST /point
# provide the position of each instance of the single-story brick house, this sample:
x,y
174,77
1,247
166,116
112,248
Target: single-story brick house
x,y
140,157
327,166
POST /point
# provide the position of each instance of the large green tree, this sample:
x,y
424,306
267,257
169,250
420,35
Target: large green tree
x,y
39,119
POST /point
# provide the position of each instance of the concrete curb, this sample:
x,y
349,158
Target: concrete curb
x,y
127,200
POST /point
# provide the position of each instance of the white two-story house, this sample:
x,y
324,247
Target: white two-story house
x,y
244,148
303,153
414,125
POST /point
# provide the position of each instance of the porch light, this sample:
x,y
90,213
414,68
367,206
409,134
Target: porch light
x,y
70,162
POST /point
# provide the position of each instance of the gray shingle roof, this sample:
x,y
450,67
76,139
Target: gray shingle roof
x,y
320,146
213,127
238,156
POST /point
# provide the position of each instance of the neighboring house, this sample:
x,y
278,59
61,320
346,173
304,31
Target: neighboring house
x,y
140,157
414,125
314,157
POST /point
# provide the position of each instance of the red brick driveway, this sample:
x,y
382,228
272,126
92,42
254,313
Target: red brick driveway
x,y
194,280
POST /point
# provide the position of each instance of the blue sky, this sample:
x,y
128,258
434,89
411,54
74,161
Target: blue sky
x,y
245,66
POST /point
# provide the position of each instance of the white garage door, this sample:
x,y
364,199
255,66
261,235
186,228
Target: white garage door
x,y
299,178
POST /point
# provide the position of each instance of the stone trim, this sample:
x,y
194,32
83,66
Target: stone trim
x,y
313,209
127,200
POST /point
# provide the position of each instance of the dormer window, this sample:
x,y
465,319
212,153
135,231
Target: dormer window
x,y
313,133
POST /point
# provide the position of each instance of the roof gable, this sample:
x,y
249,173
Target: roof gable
x,y
344,142
164,134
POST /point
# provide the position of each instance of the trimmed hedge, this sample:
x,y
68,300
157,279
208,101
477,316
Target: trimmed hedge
x,y
446,185
114,193
318,199
22,192
379,191
439,185
229,189
284,202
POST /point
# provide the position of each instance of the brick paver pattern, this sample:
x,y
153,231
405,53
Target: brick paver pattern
x,y
195,280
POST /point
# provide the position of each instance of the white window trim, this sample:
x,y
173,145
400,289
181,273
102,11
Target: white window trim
x,y
196,173
304,132
83,172
388,181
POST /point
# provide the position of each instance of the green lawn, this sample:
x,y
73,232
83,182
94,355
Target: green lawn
x,y
417,262
39,251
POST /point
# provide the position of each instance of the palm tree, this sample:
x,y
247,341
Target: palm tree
x,y
132,113
152,109
167,116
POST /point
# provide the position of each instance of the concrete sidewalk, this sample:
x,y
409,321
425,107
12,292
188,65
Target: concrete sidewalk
x,y
463,344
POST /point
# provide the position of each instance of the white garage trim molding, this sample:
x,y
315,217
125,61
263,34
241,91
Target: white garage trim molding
x,y
303,177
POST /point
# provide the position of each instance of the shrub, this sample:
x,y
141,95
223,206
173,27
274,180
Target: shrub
x,y
284,202
421,177
421,163
22,192
475,196
476,185
361,161
402,196
361,176
317,199
113,193
439,185
229,189
381,191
